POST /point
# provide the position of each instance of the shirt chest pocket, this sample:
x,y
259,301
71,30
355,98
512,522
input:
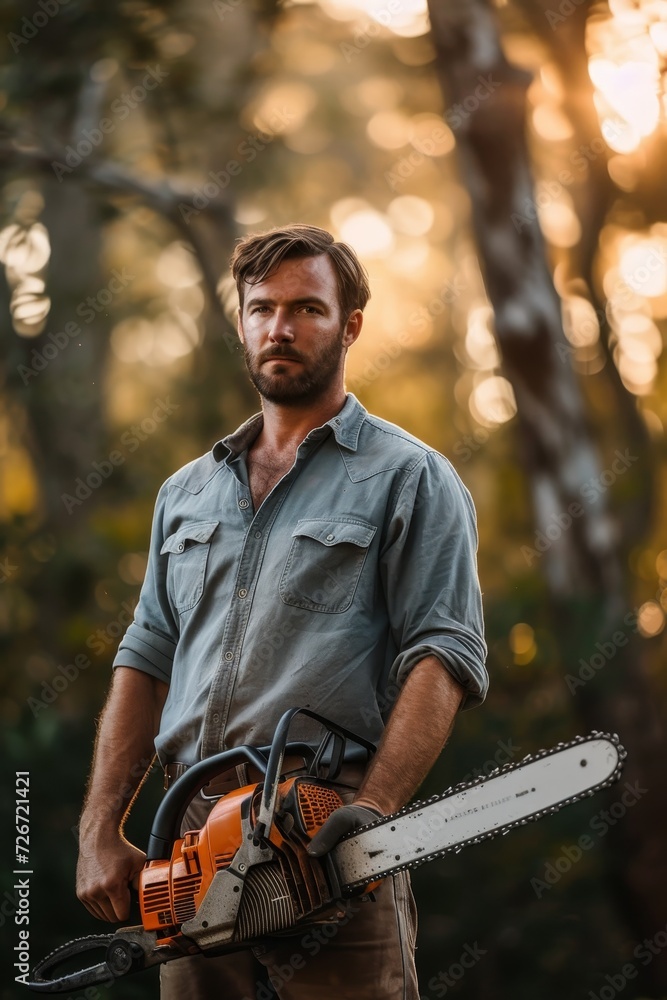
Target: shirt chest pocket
x,y
324,563
188,554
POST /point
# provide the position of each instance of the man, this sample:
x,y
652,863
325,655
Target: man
x,y
318,557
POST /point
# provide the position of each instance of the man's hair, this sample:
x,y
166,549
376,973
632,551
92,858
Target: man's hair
x,y
259,255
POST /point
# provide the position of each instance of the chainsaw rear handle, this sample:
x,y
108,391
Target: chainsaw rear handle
x,y
46,980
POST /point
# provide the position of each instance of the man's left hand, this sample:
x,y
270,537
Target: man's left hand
x,y
343,820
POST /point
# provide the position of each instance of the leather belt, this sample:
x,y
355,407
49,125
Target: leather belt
x,y
172,772
247,774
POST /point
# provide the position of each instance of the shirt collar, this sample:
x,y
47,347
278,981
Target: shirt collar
x,y
240,439
346,426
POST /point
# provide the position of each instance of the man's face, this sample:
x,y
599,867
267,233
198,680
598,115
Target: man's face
x,y
294,337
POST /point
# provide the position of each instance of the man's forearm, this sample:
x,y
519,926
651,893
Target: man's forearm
x,y
124,748
416,732
123,752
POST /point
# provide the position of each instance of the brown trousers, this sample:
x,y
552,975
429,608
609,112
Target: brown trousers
x,y
360,949
365,952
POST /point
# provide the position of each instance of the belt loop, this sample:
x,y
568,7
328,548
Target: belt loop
x,y
242,774
172,772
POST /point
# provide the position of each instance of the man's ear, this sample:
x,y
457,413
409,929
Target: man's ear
x,y
239,325
355,321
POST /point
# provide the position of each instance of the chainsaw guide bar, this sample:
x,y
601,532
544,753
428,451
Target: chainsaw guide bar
x,y
456,818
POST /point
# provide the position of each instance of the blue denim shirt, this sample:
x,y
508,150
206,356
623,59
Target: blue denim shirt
x,y
359,563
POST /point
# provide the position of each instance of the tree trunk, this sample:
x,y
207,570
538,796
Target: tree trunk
x,y
583,559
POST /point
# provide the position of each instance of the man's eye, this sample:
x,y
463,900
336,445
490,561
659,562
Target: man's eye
x,y
312,309
257,309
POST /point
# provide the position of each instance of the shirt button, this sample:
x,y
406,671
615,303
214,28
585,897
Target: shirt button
x,y
215,718
243,504
229,655
181,547
258,534
243,592
330,538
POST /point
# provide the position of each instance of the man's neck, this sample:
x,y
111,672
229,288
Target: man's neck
x,y
285,427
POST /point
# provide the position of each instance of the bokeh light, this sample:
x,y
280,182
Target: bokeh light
x,y
522,643
650,619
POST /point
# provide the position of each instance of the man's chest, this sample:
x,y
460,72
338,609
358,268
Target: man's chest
x,y
311,545
264,471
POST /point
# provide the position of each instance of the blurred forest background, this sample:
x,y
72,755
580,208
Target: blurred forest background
x,y
500,170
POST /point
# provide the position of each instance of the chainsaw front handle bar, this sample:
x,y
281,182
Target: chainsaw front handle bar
x,y
340,737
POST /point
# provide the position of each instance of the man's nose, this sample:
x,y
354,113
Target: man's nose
x,y
280,328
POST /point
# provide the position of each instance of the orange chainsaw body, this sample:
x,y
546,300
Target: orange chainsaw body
x,y
244,876
171,891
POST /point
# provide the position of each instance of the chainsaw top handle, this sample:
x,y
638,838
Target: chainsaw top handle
x,y
268,761
167,823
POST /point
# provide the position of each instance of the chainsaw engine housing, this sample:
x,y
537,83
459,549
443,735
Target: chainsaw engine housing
x,y
277,894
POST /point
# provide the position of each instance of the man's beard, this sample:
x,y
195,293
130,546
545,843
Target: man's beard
x,y
296,387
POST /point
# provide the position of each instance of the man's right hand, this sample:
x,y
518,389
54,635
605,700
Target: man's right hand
x,y
104,874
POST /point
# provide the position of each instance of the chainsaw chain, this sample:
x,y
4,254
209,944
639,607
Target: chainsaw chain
x,y
501,831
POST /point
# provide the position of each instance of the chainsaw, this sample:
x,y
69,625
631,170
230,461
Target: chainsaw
x,y
247,874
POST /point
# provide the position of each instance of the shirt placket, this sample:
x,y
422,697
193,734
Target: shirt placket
x,y
257,530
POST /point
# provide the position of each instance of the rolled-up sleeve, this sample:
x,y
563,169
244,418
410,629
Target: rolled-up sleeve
x,y
428,568
150,641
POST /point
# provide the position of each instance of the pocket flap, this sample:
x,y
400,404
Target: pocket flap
x,y
194,531
331,532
